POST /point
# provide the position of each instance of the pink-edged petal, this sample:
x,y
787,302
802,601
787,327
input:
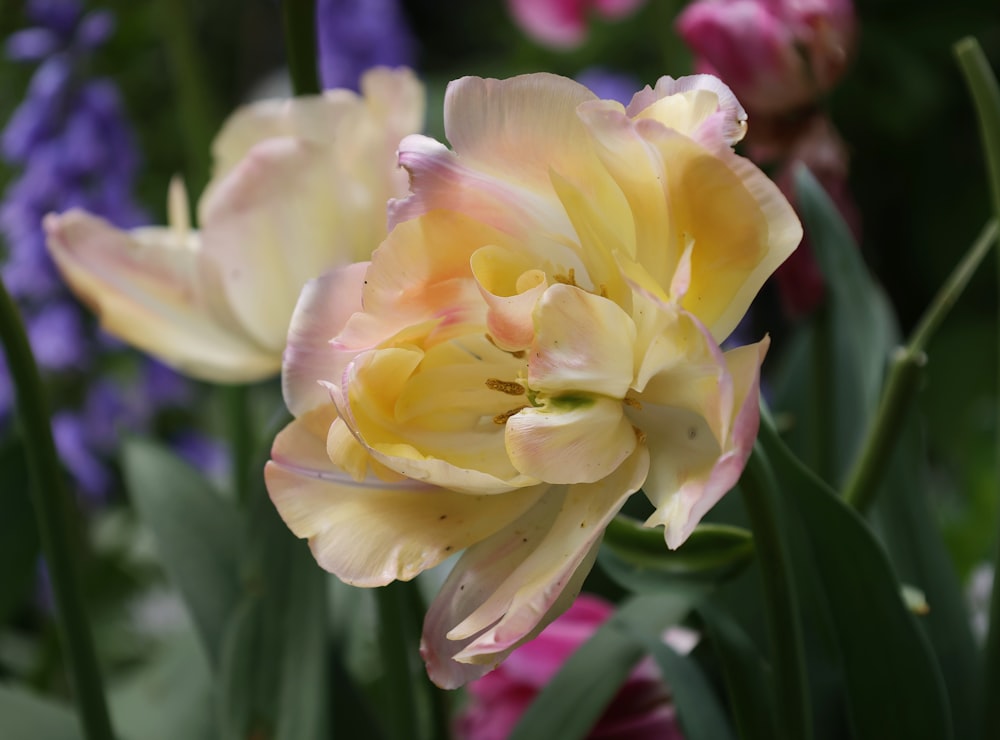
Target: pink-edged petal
x,y
511,285
696,106
146,289
570,439
520,128
508,588
323,309
372,532
692,472
583,344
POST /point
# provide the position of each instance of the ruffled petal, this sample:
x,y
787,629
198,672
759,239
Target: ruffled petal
x,y
693,471
145,287
323,309
508,588
696,106
370,533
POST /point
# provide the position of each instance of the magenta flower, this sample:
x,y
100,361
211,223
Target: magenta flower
x,y
776,55
563,23
641,709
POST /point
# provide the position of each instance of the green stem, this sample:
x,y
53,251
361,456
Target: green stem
x,y
986,96
903,379
54,512
241,438
198,116
783,623
396,649
300,40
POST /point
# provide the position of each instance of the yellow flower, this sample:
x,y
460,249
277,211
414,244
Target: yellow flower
x,y
299,187
536,339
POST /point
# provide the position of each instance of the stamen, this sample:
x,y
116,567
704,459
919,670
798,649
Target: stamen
x,y
640,436
633,402
567,279
505,386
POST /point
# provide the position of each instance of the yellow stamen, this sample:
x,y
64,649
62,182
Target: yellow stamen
x,y
505,386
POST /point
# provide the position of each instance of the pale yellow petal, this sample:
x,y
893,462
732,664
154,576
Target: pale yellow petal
x,y
146,288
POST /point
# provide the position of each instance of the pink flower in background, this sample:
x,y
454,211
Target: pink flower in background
x,y
563,23
641,709
776,55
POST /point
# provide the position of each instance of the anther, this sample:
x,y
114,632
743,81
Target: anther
x,y
505,386
502,418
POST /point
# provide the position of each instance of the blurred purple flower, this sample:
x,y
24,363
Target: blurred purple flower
x,y
207,454
74,146
355,35
609,85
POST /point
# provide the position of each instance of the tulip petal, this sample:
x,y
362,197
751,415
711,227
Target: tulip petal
x,y
741,226
570,439
583,344
686,483
145,287
694,106
323,309
371,533
269,227
509,587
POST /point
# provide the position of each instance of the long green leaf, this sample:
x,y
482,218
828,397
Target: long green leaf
x,y
745,672
197,535
892,681
169,696
23,715
859,333
572,702
915,545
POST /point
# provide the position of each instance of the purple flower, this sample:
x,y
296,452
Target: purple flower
x,y
609,85
74,146
355,35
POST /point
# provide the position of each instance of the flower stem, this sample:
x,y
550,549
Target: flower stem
x,y
241,438
784,627
903,379
986,96
300,40
54,512
198,117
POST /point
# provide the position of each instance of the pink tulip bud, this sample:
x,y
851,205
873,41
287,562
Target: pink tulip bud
x,y
776,55
563,23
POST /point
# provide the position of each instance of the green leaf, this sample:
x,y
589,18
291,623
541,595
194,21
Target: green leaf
x,y
19,546
572,702
852,336
23,715
745,672
893,685
169,696
638,558
917,550
197,535
273,671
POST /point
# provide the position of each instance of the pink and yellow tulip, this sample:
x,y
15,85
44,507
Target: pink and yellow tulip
x,y
536,339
